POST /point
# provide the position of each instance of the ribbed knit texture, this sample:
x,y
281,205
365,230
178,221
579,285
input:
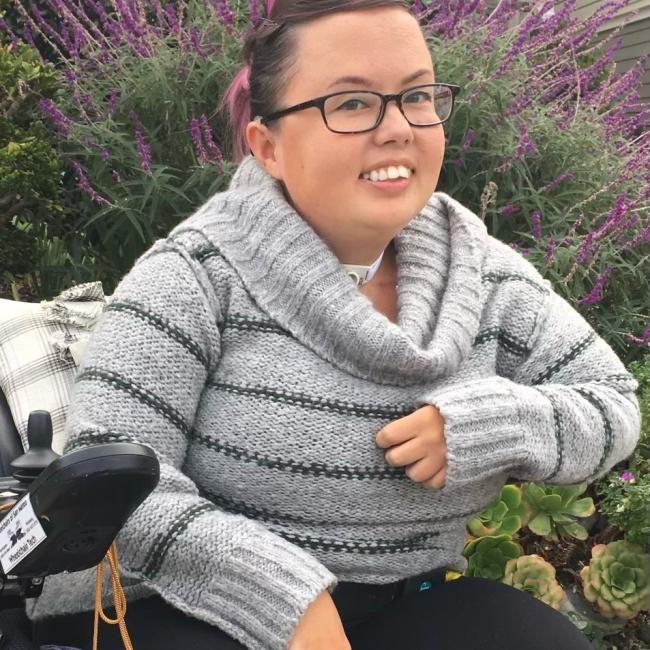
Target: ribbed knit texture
x,y
242,353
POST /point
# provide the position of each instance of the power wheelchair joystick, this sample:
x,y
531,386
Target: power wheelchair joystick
x,y
39,455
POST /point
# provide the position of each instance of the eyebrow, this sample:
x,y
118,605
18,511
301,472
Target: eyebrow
x,y
362,81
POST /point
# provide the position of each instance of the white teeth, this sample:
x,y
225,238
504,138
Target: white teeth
x,y
387,173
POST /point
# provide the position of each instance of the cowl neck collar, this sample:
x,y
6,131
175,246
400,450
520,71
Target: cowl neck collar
x,y
296,279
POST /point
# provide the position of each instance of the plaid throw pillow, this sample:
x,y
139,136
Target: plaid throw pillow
x,y
38,346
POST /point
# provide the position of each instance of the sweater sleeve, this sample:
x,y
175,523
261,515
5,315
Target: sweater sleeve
x,y
567,414
142,381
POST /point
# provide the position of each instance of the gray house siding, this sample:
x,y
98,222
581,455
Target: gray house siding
x,y
635,34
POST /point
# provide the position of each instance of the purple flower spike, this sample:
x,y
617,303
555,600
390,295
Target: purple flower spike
x,y
215,153
84,184
195,132
144,151
469,136
558,181
254,8
222,11
4,26
536,224
195,41
61,122
627,476
596,293
111,101
28,36
508,210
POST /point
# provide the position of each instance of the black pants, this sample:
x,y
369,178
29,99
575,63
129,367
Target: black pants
x,y
470,613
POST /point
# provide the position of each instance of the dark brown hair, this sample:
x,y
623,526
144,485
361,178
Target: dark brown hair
x,y
269,54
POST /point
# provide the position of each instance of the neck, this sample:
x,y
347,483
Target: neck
x,y
359,249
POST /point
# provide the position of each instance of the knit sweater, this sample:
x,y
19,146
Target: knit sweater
x,y
241,352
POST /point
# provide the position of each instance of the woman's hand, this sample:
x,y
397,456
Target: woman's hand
x,y
320,627
417,442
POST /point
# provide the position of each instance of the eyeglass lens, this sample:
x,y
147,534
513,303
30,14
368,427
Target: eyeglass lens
x,y
359,110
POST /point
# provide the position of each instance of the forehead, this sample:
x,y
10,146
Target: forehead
x,y
383,45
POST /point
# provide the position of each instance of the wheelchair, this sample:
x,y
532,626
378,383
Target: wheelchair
x,y
59,513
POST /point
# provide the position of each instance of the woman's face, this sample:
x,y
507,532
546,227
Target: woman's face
x,y
374,49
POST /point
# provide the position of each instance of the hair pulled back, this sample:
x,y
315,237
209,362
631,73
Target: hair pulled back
x,y
269,53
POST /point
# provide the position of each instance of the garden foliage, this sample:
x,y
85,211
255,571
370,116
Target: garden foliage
x,y
29,163
549,144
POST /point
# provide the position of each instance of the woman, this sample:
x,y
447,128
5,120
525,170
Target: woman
x,y
337,368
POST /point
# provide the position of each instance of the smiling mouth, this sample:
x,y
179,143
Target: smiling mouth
x,y
390,173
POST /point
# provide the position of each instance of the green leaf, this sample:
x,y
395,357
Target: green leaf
x,y
582,507
551,502
540,524
574,530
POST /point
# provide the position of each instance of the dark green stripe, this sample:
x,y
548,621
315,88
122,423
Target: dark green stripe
x,y
315,403
595,401
252,512
161,325
513,277
559,438
295,467
89,438
143,395
419,542
579,347
164,541
245,324
506,341
239,507
206,253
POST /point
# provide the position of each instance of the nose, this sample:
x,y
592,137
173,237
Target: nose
x,y
394,127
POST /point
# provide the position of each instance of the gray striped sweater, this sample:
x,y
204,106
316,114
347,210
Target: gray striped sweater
x,y
242,353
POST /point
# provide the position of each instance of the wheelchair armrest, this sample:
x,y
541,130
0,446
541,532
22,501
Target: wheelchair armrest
x,y
10,444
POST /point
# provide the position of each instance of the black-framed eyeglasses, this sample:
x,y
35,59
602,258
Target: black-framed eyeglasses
x,y
358,111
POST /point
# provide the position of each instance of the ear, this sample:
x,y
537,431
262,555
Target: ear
x,y
264,147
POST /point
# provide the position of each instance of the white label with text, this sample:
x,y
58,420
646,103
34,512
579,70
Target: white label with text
x,y
20,533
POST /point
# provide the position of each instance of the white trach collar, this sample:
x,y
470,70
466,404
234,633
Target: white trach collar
x,y
361,274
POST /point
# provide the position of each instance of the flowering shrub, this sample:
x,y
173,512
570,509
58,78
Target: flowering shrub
x,y
552,148
624,502
549,145
29,165
135,119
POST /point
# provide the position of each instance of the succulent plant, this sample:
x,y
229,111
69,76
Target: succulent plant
x,y
535,575
554,509
505,515
616,580
487,556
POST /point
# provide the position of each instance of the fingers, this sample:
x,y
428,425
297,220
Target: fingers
x,y
422,470
439,480
407,453
426,418
395,433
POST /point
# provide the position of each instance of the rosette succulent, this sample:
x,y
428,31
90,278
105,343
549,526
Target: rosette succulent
x,y
535,575
554,509
487,556
505,515
616,580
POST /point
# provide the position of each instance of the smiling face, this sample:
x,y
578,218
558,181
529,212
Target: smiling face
x,y
344,185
